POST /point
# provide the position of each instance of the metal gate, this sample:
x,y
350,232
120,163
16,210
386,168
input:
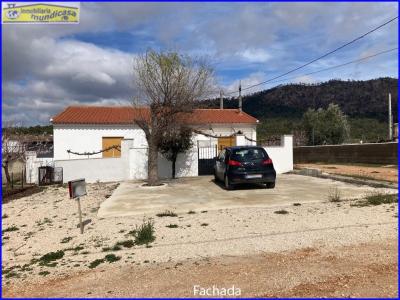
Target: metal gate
x,y
50,175
206,159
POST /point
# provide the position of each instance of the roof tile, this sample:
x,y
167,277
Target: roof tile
x,y
127,115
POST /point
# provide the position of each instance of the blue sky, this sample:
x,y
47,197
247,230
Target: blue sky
x,y
48,67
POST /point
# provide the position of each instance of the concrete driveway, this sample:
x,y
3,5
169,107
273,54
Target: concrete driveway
x,y
202,193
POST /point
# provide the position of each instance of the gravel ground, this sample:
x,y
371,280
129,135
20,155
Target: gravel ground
x,y
47,222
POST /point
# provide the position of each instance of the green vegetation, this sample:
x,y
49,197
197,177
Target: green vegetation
x,y
95,263
48,259
11,228
377,199
334,195
126,244
66,240
357,99
113,248
44,273
281,212
76,249
325,126
144,234
167,213
172,226
33,130
112,258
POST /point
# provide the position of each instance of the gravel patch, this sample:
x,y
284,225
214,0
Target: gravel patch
x,y
48,222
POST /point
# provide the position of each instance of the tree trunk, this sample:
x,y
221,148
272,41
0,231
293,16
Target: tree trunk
x,y
152,166
6,171
173,167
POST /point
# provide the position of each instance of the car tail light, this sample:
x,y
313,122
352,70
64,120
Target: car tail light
x,y
234,163
267,162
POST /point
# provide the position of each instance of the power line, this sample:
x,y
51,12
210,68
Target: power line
x,y
337,66
320,57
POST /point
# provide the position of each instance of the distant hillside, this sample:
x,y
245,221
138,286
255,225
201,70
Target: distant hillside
x,y
358,99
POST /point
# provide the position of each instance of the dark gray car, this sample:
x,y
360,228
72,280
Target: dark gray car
x,y
244,164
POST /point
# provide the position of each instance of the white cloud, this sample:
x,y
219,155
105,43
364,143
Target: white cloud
x,y
255,55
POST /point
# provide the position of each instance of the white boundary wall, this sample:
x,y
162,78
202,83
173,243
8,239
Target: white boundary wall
x,y
132,164
282,156
33,163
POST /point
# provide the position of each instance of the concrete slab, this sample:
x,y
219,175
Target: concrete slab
x,y
202,193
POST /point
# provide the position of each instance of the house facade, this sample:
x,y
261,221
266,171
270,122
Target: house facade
x,y
80,134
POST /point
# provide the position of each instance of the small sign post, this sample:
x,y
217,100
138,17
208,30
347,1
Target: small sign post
x,y
77,188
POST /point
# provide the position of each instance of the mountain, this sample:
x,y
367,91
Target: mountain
x,y
358,99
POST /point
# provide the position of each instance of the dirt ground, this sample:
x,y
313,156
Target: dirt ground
x,y
366,270
386,173
259,248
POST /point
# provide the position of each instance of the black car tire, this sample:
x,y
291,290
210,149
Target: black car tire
x,y
228,185
215,176
270,185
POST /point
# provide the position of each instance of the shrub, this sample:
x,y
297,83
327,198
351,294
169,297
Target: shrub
x,y
126,244
172,226
281,212
167,213
66,240
112,258
334,195
12,228
95,263
377,199
144,234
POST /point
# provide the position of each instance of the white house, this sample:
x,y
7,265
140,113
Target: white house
x,y
81,133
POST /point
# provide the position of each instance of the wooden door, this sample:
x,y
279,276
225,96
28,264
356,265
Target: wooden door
x,y
225,142
109,142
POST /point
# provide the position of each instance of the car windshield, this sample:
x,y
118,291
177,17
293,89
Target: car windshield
x,y
248,154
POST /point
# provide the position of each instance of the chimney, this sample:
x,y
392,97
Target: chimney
x,y
221,100
240,96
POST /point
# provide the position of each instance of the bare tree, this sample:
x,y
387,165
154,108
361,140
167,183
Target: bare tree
x,y
169,85
13,149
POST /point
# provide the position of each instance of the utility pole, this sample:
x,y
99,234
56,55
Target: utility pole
x,y
390,118
221,100
240,96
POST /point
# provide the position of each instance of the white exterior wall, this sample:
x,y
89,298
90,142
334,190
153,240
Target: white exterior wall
x,y
282,156
101,169
88,138
133,161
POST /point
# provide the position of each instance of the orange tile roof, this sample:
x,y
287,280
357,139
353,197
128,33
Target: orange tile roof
x,y
127,115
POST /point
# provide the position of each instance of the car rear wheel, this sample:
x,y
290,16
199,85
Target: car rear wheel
x,y
270,185
228,185
215,176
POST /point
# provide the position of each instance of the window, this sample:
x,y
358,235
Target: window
x,y
249,154
109,142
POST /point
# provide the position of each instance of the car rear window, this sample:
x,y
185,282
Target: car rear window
x,y
248,154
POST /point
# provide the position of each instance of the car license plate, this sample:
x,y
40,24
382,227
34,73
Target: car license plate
x,y
253,176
